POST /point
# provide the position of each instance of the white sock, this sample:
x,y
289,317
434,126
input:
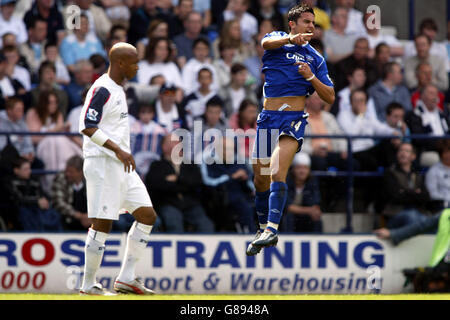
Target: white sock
x,y
137,240
93,254
272,225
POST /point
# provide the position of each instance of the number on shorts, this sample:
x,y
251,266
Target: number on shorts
x,y
296,125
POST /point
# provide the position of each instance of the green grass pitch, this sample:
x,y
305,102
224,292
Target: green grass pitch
x,y
33,296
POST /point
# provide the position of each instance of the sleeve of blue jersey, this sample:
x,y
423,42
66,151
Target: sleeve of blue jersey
x,y
274,34
94,110
322,73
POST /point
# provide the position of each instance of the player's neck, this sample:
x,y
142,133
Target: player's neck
x,y
115,76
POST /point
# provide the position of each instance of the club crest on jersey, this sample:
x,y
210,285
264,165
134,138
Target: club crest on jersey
x,y
92,114
123,115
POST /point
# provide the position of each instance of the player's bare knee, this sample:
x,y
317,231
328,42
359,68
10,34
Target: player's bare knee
x,y
102,225
145,215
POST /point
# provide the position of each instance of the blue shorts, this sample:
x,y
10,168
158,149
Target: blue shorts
x,y
271,124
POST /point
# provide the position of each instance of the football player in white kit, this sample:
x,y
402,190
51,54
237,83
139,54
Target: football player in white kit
x,y
111,180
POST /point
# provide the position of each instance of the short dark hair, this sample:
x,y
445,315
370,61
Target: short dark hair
x,y
46,65
214,101
387,68
75,162
379,46
422,35
200,40
442,146
393,106
11,102
353,92
296,11
146,106
17,163
203,70
428,23
35,20
237,67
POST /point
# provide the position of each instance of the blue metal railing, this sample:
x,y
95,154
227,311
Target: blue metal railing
x,y
350,173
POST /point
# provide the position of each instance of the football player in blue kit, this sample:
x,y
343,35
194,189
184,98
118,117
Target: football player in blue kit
x,y
293,70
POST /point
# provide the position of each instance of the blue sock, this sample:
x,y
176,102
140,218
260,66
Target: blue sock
x,y
262,207
277,201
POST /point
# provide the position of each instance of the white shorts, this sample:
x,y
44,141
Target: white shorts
x,y
110,189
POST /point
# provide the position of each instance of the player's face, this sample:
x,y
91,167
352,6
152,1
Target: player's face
x,y
131,66
304,24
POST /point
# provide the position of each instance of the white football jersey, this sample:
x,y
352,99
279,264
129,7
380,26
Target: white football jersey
x,y
106,108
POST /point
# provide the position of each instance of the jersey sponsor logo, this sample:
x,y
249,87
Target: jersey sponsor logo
x,y
295,56
123,115
92,114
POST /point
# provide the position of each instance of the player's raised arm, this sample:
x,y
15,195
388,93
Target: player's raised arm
x,y
275,42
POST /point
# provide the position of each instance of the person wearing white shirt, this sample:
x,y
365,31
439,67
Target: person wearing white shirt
x,y
10,23
17,72
437,178
355,18
237,9
358,122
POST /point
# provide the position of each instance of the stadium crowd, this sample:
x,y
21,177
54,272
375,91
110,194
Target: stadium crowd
x,y
201,63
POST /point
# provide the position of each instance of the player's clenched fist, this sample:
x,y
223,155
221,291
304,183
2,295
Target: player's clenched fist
x,y
127,160
304,69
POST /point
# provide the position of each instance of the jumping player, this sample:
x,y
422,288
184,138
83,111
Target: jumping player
x,y
293,70
111,180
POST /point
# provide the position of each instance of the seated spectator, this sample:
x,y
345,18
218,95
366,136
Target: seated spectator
x,y
13,120
168,114
83,76
324,152
175,189
199,61
117,11
80,45
181,12
212,117
424,75
222,65
356,80
382,56
69,196
10,87
437,177
158,61
438,64
51,53
35,212
244,121
14,70
237,10
405,194
426,118
254,62
390,89
268,10
146,136
375,37
230,185
47,82
237,91
185,41
99,64
303,213
156,29
49,11
52,150
195,103
11,23
33,49
359,58
429,28
338,42
355,17
358,122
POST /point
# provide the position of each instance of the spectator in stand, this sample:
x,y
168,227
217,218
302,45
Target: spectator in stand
x,y
158,61
389,89
185,41
80,45
176,190
230,183
355,17
33,48
195,103
99,23
424,75
49,11
156,29
47,82
438,64
118,11
10,23
359,58
69,196
182,11
35,213
237,91
426,118
303,200
375,37
237,9
268,9
382,56
223,64
357,121
83,76
437,178
429,28
324,152
356,80
168,114
10,87
254,62
52,54
14,70
13,120
245,121
405,194
230,37
146,137
338,42
200,60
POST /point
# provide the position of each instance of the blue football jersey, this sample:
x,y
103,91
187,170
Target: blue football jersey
x,y
281,75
